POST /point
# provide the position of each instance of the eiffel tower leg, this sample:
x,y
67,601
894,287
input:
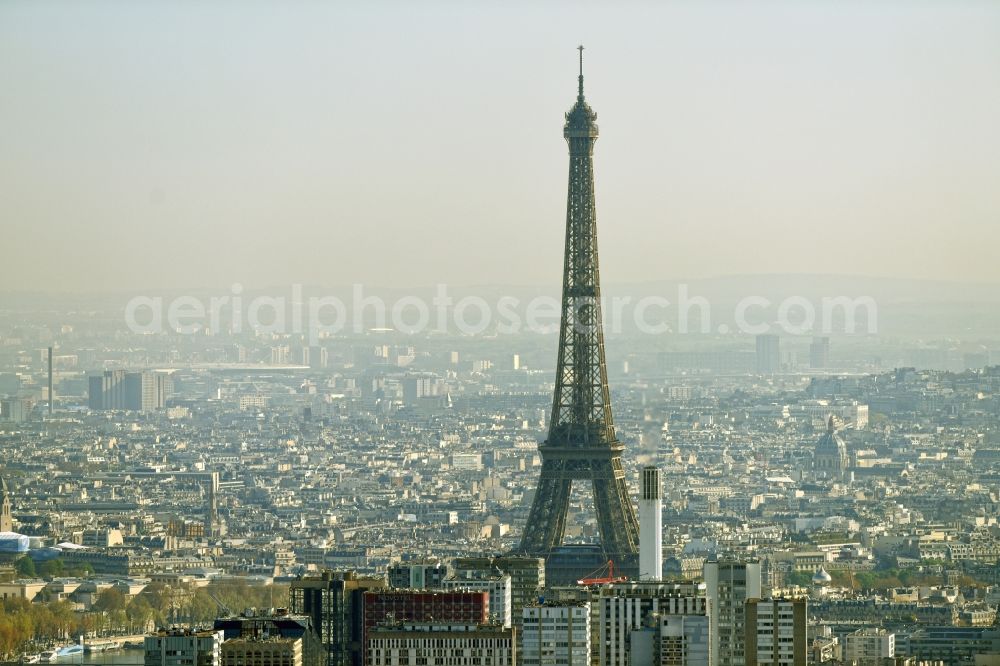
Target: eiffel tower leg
x,y
547,521
615,514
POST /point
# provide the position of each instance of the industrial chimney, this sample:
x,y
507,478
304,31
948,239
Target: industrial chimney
x,y
650,526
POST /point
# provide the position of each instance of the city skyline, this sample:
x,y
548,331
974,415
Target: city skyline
x,y
257,468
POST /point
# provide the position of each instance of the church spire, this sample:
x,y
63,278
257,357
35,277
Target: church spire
x,y
6,519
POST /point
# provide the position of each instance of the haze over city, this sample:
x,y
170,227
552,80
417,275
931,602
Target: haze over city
x,y
395,144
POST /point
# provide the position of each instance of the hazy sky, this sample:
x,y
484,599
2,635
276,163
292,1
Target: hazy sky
x,y
197,144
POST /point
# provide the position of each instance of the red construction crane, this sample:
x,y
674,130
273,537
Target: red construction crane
x,y
593,579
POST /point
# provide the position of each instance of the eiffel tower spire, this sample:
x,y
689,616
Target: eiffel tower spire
x,y
581,444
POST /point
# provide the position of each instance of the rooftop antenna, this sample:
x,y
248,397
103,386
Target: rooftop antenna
x,y
580,49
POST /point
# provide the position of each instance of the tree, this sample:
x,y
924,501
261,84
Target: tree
x,y
800,578
109,600
203,607
844,579
65,618
51,568
81,570
25,567
139,613
866,580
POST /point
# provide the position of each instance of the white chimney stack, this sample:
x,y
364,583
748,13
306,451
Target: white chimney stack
x,y
650,526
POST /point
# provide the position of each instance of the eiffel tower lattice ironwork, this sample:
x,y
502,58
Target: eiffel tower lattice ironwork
x,y
581,443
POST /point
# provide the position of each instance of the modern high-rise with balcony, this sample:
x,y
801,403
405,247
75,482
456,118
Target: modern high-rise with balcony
x,y
728,585
624,607
775,632
671,640
556,634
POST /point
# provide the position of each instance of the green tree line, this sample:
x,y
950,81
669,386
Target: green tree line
x,y
27,568
29,627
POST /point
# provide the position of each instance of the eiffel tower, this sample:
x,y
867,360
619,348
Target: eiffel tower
x,y
581,443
